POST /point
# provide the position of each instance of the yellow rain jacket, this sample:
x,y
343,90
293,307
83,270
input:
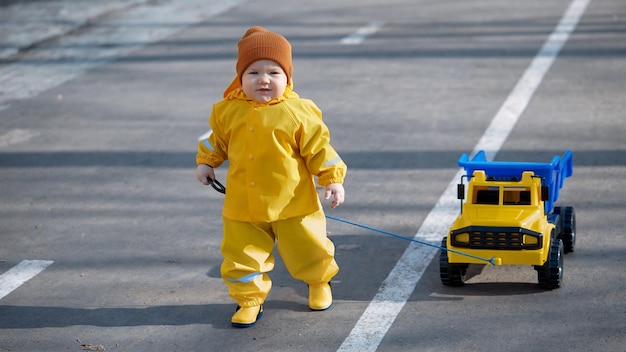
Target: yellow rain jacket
x,y
274,151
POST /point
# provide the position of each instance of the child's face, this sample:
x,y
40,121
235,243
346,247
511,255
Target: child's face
x,y
264,80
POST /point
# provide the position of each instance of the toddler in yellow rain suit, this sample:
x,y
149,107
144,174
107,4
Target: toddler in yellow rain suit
x,y
276,144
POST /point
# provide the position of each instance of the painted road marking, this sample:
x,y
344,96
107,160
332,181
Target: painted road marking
x,y
19,274
362,33
47,67
17,135
398,286
24,23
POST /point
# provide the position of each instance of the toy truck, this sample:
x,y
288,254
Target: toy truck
x,y
508,215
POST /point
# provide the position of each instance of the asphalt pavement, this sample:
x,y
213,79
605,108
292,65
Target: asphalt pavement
x,y
107,241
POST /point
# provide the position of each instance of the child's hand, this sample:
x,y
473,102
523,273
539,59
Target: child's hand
x,y
204,172
338,193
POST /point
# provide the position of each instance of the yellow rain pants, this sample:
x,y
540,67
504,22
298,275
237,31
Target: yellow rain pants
x,y
302,244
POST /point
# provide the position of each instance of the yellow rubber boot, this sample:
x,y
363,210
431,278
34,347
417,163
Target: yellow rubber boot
x,y
246,317
320,296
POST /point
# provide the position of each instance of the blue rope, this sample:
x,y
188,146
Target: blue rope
x,y
490,261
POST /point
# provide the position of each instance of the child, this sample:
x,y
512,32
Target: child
x,y
276,143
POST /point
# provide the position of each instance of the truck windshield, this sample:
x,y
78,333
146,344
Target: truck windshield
x,y
516,196
511,195
487,195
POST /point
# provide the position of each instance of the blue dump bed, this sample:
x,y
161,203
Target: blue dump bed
x,y
552,174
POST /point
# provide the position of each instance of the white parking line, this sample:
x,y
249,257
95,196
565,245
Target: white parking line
x,y
359,36
43,68
19,274
398,286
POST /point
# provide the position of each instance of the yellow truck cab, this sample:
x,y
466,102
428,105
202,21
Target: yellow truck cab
x,y
508,215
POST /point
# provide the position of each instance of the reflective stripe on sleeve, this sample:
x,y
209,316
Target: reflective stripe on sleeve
x,y
332,162
245,279
207,144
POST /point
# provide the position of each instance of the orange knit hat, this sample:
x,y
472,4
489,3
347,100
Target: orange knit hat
x,y
260,44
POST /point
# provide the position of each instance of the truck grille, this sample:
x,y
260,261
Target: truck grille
x,y
487,237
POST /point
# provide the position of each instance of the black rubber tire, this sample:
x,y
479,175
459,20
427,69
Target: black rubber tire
x,y
450,274
550,274
569,229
